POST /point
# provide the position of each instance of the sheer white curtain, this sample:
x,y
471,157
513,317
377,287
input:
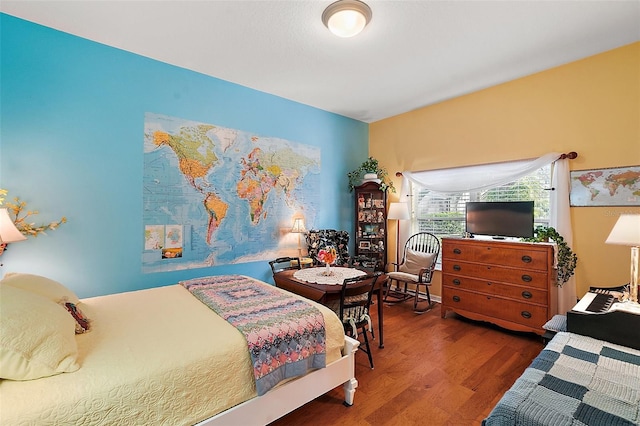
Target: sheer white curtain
x,y
560,219
486,176
478,178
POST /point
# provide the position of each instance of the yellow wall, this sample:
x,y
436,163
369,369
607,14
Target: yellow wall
x,y
591,106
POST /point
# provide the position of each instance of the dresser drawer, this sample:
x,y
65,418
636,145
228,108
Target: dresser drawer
x,y
533,316
519,293
526,257
493,273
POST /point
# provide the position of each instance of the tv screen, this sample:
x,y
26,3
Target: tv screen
x,y
500,219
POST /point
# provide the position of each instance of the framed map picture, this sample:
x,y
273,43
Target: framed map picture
x,y
616,186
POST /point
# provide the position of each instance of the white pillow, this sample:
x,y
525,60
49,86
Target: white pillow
x,y
416,260
37,336
43,286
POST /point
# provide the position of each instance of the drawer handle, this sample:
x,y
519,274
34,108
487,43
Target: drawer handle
x,y
457,251
526,259
456,282
526,314
456,298
527,295
527,278
457,267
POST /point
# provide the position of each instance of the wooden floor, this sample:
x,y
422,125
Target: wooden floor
x,y
432,371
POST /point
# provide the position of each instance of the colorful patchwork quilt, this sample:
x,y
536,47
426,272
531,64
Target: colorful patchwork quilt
x,y
285,335
575,380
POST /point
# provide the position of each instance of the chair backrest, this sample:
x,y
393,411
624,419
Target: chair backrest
x,y
420,251
318,239
284,263
355,298
363,263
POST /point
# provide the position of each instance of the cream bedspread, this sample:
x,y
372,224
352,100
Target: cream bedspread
x,y
156,356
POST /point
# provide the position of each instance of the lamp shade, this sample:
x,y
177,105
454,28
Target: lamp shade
x,y
346,18
298,226
626,231
8,231
399,211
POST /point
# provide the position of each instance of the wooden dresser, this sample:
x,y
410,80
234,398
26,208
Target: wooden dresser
x,y
510,284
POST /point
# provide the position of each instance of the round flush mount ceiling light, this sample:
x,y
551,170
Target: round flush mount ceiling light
x,y
346,18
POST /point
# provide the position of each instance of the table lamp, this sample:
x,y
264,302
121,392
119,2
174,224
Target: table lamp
x,y
627,232
398,211
298,228
8,231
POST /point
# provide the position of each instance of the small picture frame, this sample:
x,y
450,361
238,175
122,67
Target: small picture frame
x,y
370,230
364,245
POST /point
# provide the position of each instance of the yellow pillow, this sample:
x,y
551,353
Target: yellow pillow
x,y
46,287
37,336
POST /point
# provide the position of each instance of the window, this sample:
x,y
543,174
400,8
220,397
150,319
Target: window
x,y
443,213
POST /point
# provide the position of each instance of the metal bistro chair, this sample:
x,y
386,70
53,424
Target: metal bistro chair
x,y
355,303
419,259
284,263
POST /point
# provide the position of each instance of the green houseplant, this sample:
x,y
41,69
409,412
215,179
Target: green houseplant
x,y
566,258
370,165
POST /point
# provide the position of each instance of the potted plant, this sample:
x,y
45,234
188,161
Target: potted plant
x,y
566,258
370,167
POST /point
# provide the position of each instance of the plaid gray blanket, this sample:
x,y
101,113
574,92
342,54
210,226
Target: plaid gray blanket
x,y
575,380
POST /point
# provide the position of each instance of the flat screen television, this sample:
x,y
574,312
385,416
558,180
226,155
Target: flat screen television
x,y
500,219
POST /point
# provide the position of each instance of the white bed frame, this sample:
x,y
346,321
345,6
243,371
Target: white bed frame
x,y
283,399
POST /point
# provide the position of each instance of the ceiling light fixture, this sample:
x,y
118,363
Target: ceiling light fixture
x,y
346,18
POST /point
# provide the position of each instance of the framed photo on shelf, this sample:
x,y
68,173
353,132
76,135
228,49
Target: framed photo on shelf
x,y
370,230
364,245
616,186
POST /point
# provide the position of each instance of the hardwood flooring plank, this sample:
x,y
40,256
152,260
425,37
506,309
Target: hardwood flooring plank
x,y
432,371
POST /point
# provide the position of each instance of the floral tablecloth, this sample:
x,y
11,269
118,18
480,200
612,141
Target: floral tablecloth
x,y
338,275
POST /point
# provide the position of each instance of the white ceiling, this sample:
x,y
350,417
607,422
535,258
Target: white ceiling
x,y
412,54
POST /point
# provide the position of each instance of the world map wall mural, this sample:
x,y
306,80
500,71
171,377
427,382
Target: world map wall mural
x,y
214,196
616,186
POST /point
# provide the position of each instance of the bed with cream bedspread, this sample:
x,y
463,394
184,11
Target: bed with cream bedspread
x,y
156,356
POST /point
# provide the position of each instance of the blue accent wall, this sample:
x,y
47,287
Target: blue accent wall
x,y
71,135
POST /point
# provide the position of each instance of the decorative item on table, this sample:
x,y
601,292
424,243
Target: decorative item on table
x,y
327,256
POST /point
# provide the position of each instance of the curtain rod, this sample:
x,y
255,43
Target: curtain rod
x,y
570,155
